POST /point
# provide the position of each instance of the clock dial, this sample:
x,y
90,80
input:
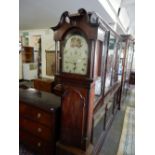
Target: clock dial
x,y
75,55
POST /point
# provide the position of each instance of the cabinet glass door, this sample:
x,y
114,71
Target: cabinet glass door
x,y
110,62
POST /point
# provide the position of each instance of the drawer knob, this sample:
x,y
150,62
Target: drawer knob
x,y
39,144
39,129
38,115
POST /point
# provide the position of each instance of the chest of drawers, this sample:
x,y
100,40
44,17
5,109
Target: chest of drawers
x,y
39,120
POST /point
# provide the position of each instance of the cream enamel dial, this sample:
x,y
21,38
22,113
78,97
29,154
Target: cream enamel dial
x,y
75,55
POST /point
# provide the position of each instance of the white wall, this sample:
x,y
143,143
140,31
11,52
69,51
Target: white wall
x,y
133,63
47,44
20,67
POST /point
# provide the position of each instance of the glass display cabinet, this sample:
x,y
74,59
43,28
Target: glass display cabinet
x,y
129,60
112,84
112,61
120,62
128,52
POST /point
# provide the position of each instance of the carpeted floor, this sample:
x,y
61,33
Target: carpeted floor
x,y
127,141
111,144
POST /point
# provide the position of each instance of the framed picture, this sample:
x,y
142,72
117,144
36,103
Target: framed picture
x,y
50,62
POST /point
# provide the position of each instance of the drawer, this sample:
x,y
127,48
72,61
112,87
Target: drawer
x,y
37,115
37,129
36,144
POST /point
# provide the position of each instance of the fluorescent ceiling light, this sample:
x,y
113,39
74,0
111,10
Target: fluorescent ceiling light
x,y
116,4
124,18
108,8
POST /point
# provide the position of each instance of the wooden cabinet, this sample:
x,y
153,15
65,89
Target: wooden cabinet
x,y
43,84
39,120
28,54
128,52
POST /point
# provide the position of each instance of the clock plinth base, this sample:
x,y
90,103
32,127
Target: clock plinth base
x,y
68,150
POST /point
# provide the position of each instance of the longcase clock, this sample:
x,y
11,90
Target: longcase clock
x,y
81,39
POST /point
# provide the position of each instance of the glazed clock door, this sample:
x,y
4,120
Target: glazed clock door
x,y
75,54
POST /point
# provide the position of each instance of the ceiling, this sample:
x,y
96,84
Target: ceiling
x,y
40,14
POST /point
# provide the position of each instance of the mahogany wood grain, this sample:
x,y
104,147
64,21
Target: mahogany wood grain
x,y
43,84
72,118
36,114
36,129
36,144
39,119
